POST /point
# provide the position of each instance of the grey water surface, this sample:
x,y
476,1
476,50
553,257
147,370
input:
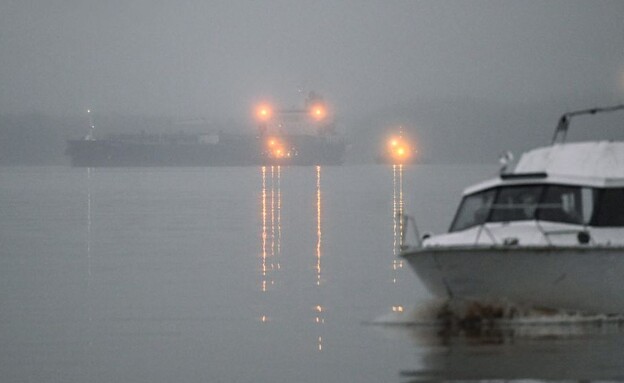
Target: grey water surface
x,y
246,275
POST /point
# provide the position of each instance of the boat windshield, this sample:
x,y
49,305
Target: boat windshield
x,y
515,203
555,203
474,210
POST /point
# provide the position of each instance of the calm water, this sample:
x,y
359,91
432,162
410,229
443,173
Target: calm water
x,y
247,275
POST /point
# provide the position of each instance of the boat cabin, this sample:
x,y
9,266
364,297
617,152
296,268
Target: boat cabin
x,y
573,183
570,204
560,189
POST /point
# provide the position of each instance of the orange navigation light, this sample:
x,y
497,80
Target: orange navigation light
x,y
318,112
399,149
264,112
275,148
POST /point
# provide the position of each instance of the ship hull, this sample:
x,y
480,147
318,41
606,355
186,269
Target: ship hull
x,y
582,279
240,152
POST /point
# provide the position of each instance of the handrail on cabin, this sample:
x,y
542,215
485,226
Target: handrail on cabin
x,y
405,220
564,120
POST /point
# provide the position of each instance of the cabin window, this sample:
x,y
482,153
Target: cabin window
x,y
587,202
516,203
554,203
473,210
610,208
565,204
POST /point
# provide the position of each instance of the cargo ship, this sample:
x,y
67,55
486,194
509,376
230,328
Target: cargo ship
x,y
303,137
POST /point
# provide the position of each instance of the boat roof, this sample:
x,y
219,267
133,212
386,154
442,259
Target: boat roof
x,y
593,163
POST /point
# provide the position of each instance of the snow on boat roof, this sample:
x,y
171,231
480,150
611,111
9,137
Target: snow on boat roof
x,y
603,159
595,163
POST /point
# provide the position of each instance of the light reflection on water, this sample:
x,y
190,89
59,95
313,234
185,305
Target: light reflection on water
x,y
319,232
89,223
398,210
319,319
271,237
245,275
271,225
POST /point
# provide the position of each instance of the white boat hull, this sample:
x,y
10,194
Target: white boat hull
x,y
587,279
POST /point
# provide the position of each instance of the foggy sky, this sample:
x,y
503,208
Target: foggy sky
x,y
213,59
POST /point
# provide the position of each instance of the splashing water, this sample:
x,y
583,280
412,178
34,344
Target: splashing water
x,y
480,314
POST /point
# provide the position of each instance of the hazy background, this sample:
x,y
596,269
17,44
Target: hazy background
x,y
466,78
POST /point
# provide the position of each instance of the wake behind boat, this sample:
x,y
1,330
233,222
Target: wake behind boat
x,y
549,234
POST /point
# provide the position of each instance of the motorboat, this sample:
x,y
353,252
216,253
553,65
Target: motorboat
x,y
547,232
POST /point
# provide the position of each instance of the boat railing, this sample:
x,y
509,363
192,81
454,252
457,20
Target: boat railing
x,y
405,220
564,121
484,228
583,236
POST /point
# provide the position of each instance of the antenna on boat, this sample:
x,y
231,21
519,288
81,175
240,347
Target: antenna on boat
x,y
564,121
505,159
90,136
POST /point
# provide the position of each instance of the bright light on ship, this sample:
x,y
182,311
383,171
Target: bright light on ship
x,y
264,112
276,148
399,150
318,112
